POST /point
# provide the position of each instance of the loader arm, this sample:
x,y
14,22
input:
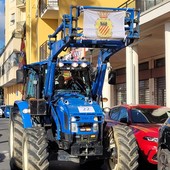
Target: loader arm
x,y
72,36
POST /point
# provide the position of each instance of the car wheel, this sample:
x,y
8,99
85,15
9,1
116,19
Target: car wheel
x,y
164,159
35,154
124,149
15,140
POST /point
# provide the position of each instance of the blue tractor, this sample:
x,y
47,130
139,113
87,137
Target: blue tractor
x,y
61,110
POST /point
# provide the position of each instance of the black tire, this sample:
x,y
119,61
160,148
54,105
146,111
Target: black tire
x,y
163,159
35,153
124,149
15,140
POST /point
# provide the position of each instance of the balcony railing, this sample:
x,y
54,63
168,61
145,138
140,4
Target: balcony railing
x,y
143,5
13,60
128,4
44,51
21,27
9,62
20,3
48,8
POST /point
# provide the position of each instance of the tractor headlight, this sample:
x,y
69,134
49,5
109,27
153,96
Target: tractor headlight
x,y
25,111
74,127
60,64
151,139
74,64
95,118
83,65
95,125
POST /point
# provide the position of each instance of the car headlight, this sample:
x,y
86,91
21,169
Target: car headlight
x,y
150,139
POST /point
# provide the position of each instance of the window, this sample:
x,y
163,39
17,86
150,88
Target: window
x,y
121,93
144,66
12,20
160,91
123,114
138,117
159,63
114,114
121,71
144,93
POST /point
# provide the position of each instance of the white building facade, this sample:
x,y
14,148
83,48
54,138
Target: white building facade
x,y
143,72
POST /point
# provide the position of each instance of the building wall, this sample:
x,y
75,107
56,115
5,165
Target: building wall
x,y
10,8
12,93
37,29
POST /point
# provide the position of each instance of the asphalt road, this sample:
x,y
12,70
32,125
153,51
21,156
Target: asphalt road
x,y
4,153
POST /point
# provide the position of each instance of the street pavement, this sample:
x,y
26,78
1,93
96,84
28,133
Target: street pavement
x,y
4,149
4,153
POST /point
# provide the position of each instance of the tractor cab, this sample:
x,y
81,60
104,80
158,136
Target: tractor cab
x,y
73,77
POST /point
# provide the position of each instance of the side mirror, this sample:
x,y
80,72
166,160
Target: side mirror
x,y
20,76
124,120
112,77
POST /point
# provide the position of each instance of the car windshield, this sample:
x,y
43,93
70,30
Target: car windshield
x,y
146,115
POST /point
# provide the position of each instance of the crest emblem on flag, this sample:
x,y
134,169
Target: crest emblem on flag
x,y
103,25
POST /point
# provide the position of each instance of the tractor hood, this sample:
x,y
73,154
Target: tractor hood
x,y
77,113
75,104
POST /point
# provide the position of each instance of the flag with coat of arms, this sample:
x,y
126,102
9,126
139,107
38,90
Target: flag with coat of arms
x,y
22,57
104,24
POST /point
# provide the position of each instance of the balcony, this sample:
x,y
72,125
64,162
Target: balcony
x,y
143,5
20,30
20,3
49,9
9,62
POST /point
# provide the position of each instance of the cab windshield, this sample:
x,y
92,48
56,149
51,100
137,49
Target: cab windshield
x,y
75,80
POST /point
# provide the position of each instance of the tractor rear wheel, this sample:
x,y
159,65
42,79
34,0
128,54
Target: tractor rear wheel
x,y
124,149
163,159
35,154
15,140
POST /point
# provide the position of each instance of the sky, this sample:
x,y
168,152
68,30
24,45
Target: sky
x,y
2,23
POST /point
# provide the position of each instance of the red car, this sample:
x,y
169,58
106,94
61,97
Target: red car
x,y
145,121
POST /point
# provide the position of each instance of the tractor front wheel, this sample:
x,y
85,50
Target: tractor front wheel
x,y
123,149
15,140
35,153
